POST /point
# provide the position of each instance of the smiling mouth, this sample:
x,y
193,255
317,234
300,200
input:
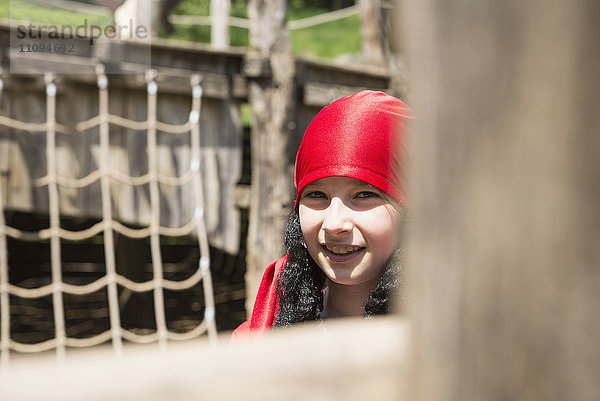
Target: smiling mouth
x,y
342,250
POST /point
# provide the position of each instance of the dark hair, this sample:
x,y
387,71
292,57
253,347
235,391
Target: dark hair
x,y
300,284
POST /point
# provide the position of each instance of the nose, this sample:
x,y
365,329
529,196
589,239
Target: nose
x,y
337,219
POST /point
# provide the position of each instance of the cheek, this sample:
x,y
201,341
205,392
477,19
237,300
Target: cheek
x,y
385,235
309,223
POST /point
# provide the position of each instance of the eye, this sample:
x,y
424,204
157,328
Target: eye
x,y
367,195
315,195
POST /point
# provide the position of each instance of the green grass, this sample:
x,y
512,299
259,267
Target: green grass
x,y
20,10
326,41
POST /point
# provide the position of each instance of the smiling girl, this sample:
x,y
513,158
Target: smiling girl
x,y
344,235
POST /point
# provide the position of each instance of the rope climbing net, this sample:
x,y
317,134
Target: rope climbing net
x,y
109,225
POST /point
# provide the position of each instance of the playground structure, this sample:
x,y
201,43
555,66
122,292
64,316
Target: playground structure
x,y
113,159
504,250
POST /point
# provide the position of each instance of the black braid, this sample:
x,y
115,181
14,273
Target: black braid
x,y
299,285
381,300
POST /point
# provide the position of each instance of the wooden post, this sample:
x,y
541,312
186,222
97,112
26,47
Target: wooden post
x,y
375,43
219,30
270,71
139,13
506,255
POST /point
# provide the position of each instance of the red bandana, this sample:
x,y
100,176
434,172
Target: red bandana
x,y
361,136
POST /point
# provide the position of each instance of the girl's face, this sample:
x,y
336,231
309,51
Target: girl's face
x,y
350,229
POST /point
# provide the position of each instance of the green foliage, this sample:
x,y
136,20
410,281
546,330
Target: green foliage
x,y
328,5
190,33
239,8
193,7
201,33
238,37
327,41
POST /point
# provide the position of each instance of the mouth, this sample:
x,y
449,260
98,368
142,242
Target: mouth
x,y
341,253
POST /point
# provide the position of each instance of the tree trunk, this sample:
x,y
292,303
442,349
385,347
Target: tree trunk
x,y
270,71
219,32
375,43
505,252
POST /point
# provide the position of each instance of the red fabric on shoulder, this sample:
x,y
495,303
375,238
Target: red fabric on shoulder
x,y
265,305
241,333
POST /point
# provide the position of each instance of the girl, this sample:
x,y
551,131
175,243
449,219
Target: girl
x,y
344,234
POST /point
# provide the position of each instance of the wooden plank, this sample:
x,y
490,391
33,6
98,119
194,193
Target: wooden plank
x,y
129,75
316,67
319,95
239,89
40,63
505,200
173,80
242,196
349,360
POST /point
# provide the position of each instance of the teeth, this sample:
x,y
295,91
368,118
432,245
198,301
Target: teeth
x,y
342,249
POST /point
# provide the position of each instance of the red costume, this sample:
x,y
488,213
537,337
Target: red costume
x,y
265,305
361,136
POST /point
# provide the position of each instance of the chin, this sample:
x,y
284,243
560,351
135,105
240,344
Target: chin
x,y
348,275
344,279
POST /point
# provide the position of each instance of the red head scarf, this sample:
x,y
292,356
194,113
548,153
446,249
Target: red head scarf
x,y
360,136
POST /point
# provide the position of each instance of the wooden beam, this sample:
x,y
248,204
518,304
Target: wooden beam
x,y
320,95
349,360
128,75
505,194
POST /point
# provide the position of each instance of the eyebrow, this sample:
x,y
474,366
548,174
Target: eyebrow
x,y
367,185
355,184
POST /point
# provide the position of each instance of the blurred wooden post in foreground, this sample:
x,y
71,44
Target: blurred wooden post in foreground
x,y
269,68
506,188
351,360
